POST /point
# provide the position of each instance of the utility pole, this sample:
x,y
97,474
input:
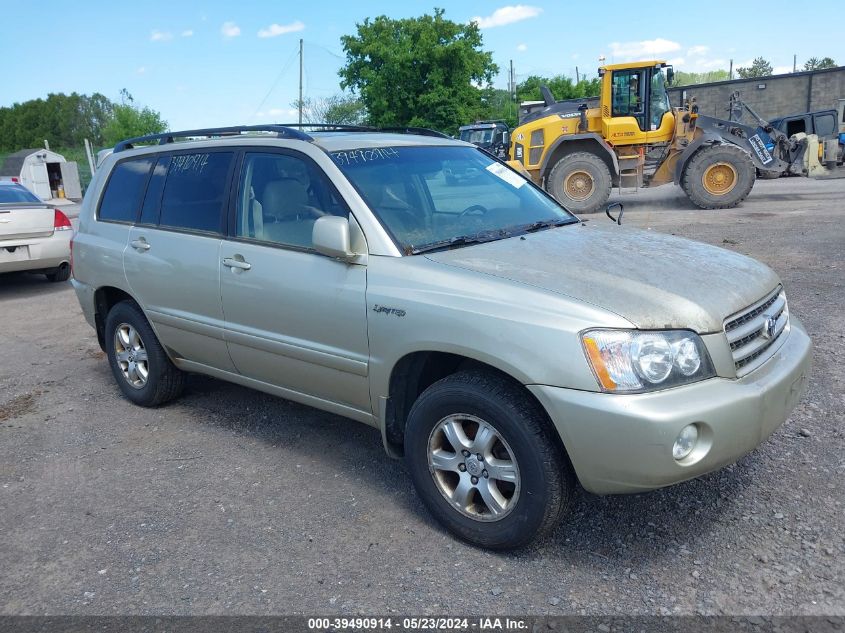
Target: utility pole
x,y
300,81
577,76
511,88
795,63
731,71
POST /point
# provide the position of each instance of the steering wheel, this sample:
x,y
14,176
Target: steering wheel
x,y
476,209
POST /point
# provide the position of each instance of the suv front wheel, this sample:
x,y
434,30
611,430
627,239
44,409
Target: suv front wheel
x,y
144,373
484,461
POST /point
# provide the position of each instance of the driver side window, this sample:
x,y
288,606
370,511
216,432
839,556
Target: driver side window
x,y
280,197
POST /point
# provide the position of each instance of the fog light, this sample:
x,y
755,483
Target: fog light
x,y
685,442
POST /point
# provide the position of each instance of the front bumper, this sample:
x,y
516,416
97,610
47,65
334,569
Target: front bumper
x,y
623,443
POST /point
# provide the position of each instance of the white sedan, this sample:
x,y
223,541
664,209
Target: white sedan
x,y
34,236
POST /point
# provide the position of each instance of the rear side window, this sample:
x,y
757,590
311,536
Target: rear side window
x,y
124,190
195,191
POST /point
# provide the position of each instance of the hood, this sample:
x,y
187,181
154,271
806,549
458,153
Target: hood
x,y
651,279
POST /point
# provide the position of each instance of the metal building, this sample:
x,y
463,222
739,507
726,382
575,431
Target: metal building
x,y
47,174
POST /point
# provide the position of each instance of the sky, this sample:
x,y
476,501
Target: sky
x,y
210,63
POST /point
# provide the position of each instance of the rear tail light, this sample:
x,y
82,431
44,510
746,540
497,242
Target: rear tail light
x,y
60,222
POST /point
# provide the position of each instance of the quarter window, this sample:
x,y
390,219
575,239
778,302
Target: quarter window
x,y
123,193
149,212
280,197
195,191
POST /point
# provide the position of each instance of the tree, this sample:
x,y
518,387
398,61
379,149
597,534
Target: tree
x,y
814,63
426,71
64,120
689,79
759,68
339,109
129,121
562,87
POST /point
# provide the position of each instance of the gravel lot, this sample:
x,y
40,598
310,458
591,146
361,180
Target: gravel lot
x,y
231,501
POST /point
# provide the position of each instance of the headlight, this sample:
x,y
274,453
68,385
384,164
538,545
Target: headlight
x,y
633,360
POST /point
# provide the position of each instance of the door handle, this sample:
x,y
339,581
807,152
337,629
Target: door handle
x,y
140,244
240,264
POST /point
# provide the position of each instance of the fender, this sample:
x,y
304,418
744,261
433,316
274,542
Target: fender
x,y
606,150
708,138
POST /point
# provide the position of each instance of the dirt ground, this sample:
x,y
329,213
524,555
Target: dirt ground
x,y
230,501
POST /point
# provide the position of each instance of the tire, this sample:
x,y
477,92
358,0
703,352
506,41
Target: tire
x,y
735,170
523,450
580,171
149,379
62,273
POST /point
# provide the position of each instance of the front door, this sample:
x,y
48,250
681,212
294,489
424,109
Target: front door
x,y
294,319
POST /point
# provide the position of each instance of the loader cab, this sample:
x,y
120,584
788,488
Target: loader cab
x,y
635,104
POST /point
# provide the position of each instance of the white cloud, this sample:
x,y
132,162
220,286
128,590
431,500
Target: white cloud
x,y
160,36
275,30
644,49
780,70
230,29
522,47
141,70
507,15
187,33
697,51
677,61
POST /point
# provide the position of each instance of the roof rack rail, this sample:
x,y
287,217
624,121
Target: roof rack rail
x,y
282,131
420,131
286,130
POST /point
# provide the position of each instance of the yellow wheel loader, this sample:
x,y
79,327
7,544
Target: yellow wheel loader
x,y
634,138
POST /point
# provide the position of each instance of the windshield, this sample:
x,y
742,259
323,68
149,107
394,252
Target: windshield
x,y
478,137
16,193
433,197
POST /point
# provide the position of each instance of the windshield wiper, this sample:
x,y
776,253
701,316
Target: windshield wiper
x,y
546,224
459,240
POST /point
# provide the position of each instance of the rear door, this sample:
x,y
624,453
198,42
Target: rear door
x,y
172,258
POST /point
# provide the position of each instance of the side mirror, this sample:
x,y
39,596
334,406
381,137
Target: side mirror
x,y
506,138
670,75
331,237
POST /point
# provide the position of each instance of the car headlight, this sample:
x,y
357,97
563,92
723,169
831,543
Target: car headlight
x,y
633,361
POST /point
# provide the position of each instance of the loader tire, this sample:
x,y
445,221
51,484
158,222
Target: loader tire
x,y
580,181
718,177
765,174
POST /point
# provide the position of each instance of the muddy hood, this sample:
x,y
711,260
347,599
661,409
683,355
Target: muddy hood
x,y
651,279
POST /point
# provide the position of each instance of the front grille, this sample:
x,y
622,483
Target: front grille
x,y
753,332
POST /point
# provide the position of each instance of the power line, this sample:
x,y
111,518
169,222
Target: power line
x,y
277,80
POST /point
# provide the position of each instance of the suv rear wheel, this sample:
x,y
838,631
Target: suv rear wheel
x,y
484,461
144,373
